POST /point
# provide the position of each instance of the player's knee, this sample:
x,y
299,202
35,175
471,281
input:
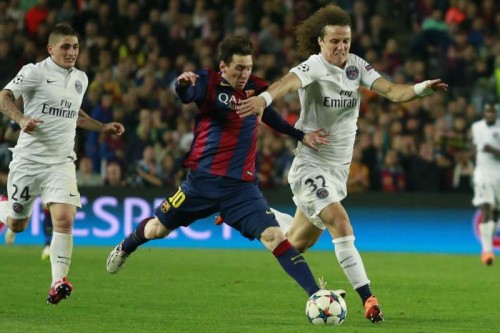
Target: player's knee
x,y
154,229
17,225
272,237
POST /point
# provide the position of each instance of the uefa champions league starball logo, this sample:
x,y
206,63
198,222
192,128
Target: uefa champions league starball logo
x,y
476,220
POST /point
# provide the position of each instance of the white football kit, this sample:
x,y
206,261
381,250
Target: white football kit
x,y
487,169
330,100
43,163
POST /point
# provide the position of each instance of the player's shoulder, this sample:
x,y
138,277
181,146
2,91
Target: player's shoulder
x,y
256,82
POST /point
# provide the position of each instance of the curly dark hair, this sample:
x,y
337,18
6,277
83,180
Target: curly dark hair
x,y
238,44
314,26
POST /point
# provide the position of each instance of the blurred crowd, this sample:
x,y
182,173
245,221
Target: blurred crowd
x,y
132,51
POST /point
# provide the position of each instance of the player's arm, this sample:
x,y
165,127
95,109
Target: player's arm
x,y
274,120
185,87
9,108
492,150
403,92
256,105
87,122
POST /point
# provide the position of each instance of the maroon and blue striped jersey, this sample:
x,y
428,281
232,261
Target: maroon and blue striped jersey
x,y
224,144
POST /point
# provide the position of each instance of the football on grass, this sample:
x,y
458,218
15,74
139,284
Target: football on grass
x,y
326,308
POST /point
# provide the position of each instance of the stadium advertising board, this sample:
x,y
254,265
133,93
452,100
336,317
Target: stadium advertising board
x,y
105,219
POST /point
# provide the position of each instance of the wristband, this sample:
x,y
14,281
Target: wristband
x,y
267,97
422,89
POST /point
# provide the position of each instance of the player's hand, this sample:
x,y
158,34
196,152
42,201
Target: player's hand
x,y
436,85
113,128
252,106
315,139
29,125
187,78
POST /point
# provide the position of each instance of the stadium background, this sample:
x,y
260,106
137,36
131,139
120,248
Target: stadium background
x,y
132,52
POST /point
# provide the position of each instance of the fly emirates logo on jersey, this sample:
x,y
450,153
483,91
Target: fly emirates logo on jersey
x,y
345,101
63,111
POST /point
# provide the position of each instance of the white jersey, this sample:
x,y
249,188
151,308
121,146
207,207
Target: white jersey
x,y
486,163
330,100
54,95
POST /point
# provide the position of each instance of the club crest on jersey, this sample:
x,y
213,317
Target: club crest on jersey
x,y
352,72
17,207
78,86
303,67
165,206
322,193
250,92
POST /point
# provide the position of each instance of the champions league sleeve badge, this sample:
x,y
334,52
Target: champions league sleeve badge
x,y
78,86
352,72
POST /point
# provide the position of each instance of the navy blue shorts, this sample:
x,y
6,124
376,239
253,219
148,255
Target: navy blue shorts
x,y
240,203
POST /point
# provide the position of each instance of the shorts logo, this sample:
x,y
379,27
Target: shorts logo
x,y
17,207
352,72
165,206
303,67
18,79
78,86
322,193
368,68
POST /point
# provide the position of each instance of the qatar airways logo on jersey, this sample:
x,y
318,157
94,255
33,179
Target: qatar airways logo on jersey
x,y
345,100
63,111
229,100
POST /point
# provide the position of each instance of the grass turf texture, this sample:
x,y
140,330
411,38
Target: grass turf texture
x,y
179,290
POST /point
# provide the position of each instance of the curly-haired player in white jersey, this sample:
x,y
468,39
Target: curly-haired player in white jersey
x,y
43,158
486,139
328,83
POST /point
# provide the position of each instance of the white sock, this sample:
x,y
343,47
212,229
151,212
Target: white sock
x,y
486,231
350,261
285,221
61,249
4,211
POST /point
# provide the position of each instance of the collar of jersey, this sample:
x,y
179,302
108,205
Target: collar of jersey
x,y
56,67
332,67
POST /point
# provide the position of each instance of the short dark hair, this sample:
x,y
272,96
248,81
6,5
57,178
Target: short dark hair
x,y
238,44
61,29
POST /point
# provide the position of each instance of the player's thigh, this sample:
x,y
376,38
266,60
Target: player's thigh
x,y
315,187
59,185
303,234
183,207
336,220
246,210
23,186
484,192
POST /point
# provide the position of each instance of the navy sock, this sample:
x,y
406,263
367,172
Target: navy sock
x,y
295,265
364,292
136,237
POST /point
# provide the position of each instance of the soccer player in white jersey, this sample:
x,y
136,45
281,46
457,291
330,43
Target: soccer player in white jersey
x,y
43,158
486,139
328,84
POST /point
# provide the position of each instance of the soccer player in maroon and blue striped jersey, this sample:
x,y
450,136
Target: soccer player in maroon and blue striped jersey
x,y
222,176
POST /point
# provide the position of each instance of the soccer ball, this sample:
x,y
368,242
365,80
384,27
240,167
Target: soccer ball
x,y
326,308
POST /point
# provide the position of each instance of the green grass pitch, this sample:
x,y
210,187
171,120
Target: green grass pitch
x,y
197,290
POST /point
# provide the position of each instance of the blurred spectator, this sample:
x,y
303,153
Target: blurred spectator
x,y
359,180
392,175
85,176
114,175
462,172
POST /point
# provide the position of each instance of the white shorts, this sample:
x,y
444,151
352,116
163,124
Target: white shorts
x,y
486,191
314,187
27,180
